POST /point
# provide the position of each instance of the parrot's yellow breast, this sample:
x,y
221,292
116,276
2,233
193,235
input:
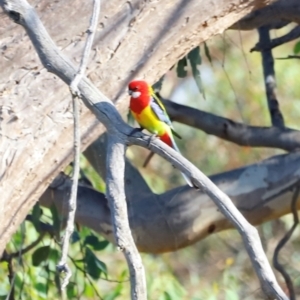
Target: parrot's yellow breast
x,y
148,120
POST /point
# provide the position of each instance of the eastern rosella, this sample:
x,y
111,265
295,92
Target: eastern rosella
x,y
150,113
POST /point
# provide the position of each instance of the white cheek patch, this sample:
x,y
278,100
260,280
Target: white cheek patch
x,y
135,94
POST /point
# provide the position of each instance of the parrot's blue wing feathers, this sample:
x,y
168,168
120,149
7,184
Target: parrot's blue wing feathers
x,y
160,112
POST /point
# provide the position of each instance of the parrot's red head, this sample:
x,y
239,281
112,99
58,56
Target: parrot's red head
x,y
137,88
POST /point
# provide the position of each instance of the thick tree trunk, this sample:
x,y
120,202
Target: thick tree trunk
x,y
134,39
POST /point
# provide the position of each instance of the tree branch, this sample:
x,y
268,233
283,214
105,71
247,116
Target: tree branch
x,y
290,36
238,133
62,266
278,266
183,216
290,57
115,194
269,77
7,257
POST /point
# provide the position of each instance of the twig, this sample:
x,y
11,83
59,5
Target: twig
x,y
86,275
269,77
115,193
11,278
290,36
147,160
277,265
87,49
290,57
62,265
238,133
12,275
7,257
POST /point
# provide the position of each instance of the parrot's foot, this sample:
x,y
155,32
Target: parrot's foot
x,y
139,129
152,138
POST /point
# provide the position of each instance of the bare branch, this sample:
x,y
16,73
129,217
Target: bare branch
x,y
116,195
269,77
11,279
238,133
290,57
278,266
87,49
7,257
62,265
290,36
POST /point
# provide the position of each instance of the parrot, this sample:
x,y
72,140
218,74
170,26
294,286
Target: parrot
x,y
151,114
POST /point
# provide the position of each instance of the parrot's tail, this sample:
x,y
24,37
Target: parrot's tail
x,y
169,140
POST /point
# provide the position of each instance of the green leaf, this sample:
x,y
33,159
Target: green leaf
x,y
89,291
101,245
94,266
297,48
39,255
75,237
57,282
102,266
114,294
130,118
194,56
56,221
195,60
91,264
36,216
42,289
71,293
207,52
54,255
157,85
181,68
93,241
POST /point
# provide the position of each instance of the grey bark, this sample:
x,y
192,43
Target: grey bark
x,y
183,216
241,134
115,162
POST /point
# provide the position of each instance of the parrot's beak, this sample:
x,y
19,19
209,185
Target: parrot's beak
x,y
130,92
